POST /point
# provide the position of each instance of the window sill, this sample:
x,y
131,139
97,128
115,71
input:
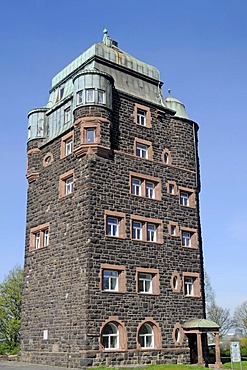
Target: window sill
x,y
115,237
66,195
37,249
142,197
147,241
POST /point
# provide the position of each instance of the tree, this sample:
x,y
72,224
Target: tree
x,y
214,312
240,317
10,308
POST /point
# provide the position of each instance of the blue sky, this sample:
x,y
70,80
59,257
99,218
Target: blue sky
x,y
199,48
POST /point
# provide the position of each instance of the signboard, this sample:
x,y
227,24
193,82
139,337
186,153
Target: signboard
x,y
235,352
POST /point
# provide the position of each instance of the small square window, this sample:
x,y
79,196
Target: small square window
x,y
67,144
89,95
69,185
110,280
90,135
188,286
172,187
191,284
146,229
101,96
136,186
112,226
189,237
147,280
141,117
66,184
186,242
145,283
115,224
145,186
184,199
150,189
142,150
79,97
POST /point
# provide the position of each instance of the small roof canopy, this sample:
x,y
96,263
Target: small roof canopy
x,y
200,324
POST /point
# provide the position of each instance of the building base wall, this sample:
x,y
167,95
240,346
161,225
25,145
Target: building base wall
x,y
84,360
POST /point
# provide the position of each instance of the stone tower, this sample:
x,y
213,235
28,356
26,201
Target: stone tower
x,y
113,257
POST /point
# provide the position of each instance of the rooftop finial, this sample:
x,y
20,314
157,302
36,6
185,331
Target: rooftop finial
x,y
105,32
169,93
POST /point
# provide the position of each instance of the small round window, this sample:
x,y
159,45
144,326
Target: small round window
x,y
48,159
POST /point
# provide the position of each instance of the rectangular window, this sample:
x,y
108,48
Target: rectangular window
x,y
39,237
79,97
89,95
145,186
136,186
143,148
112,226
68,146
137,230
115,224
61,92
173,228
90,135
151,232
69,185
191,283
112,278
66,184
146,229
67,115
186,197
189,237
147,281
141,117
101,96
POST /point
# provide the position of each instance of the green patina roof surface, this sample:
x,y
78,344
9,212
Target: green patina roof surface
x,y
200,324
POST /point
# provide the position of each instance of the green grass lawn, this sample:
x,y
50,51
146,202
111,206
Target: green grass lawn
x,y
226,365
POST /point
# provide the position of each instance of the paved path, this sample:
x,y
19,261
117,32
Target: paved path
x,y
12,365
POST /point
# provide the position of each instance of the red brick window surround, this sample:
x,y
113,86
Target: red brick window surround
x,y
173,229
48,159
113,336
146,229
66,184
67,144
142,115
191,284
148,335
39,237
176,283
189,237
143,149
147,281
112,278
145,186
178,334
90,133
115,224
171,187
186,197
166,156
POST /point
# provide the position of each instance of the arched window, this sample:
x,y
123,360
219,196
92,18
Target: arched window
x,y
146,336
166,156
110,336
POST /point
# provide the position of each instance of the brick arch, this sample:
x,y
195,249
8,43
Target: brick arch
x,y
157,332
122,333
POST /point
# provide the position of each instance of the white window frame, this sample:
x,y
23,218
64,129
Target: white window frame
x,y
68,146
37,240
186,239
189,286
46,237
150,189
151,232
141,150
136,186
147,283
141,117
67,115
90,129
101,101
184,199
146,336
89,98
69,185
111,336
79,97
112,277
137,227
112,226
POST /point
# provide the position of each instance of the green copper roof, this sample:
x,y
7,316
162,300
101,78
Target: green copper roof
x,y
200,324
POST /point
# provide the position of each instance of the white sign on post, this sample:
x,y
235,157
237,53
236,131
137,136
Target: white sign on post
x,y
235,352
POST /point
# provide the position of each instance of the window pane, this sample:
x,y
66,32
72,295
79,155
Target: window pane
x,y
136,186
89,95
142,151
150,186
79,97
101,96
90,135
141,117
